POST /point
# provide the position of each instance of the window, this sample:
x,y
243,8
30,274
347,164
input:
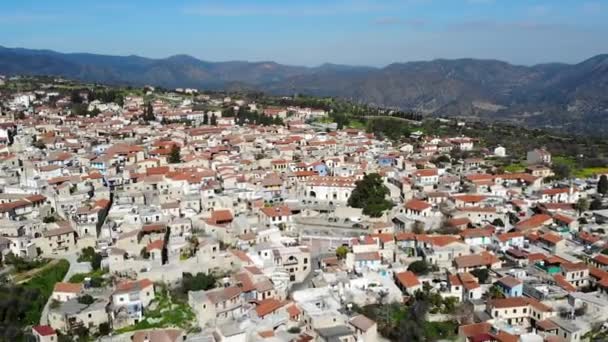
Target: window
x,y
495,313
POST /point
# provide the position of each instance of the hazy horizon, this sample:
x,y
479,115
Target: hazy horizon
x,y
311,33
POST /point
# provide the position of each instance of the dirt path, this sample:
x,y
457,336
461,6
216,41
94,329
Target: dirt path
x,y
25,276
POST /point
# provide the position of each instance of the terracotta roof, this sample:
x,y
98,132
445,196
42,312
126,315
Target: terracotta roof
x,y
555,191
281,210
601,259
470,330
417,205
458,221
426,173
67,287
508,236
44,330
293,311
407,279
510,302
223,294
535,221
546,325
131,286
156,244
563,283
267,306
218,216
509,281
367,256
470,198
474,260
574,266
472,233
551,238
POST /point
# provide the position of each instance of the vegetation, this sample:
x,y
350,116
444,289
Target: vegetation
x,y
582,205
86,299
175,155
200,281
21,305
22,265
96,278
88,254
602,185
341,252
390,128
420,267
482,274
370,195
149,113
495,292
167,312
399,322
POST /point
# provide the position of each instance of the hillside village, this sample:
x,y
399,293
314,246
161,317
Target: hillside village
x,y
188,216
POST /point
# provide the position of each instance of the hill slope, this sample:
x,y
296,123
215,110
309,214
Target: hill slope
x,y
567,97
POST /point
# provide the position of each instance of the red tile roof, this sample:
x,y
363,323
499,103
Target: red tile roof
x,y
44,330
407,279
535,221
417,205
67,287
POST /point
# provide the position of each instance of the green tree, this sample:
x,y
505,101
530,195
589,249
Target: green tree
x,y
86,299
175,155
482,274
206,119
495,292
419,267
144,253
201,281
341,252
149,113
582,205
602,185
213,120
104,329
596,204
370,195
498,222
561,170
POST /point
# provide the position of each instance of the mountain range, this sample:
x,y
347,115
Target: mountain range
x,y
568,97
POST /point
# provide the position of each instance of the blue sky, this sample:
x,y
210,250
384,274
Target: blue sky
x,y
358,32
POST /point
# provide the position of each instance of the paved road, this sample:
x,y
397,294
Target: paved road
x,y
75,267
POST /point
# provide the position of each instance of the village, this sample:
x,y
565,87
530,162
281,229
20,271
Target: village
x,y
187,216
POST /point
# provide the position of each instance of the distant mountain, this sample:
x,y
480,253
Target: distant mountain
x,y
571,97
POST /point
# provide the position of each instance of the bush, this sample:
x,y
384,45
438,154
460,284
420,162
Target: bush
x,y
89,254
419,267
294,330
482,274
200,281
86,299
104,329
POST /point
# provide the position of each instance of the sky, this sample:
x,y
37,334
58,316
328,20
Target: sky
x,y
312,32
